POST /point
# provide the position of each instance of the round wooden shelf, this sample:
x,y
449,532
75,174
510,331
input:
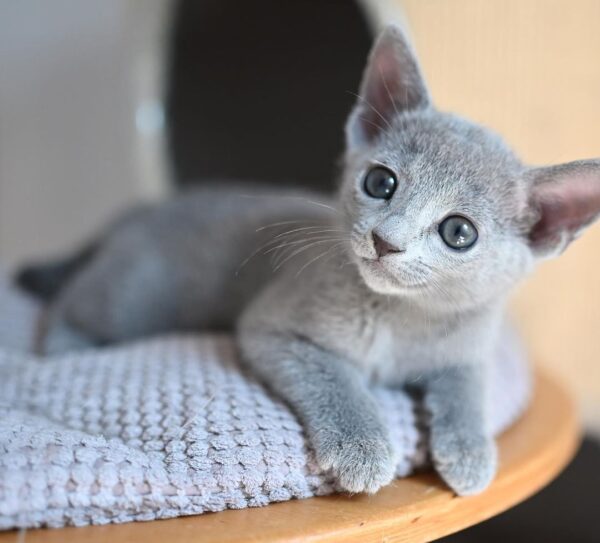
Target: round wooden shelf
x,y
419,508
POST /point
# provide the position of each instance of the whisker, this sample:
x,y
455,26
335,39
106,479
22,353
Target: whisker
x,y
297,242
275,239
301,250
388,91
321,204
280,223
290,197
291,252
339,250
372,107
294,239
317,258
253,254
378,126
440,289
318,229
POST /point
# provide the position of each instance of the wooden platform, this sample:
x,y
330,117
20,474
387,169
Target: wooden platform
x,y
416,509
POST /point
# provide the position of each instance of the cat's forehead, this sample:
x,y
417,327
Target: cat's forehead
x,y
446,156
449,144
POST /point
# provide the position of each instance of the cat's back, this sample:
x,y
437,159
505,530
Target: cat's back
x,y
210,248
239,204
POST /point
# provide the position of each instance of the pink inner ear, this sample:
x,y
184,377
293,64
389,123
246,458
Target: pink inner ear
x,y
566,204
392,83
384,85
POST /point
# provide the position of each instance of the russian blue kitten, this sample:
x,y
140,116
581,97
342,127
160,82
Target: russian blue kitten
x,y
403,279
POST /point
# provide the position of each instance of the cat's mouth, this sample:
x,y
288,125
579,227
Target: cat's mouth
x,y
383,277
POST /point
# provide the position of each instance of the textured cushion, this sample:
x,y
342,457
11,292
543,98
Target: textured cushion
x,y
167,427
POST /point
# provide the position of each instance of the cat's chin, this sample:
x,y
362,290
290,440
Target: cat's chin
x,y
382,281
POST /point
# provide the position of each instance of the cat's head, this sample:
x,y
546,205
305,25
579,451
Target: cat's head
x,y
439,208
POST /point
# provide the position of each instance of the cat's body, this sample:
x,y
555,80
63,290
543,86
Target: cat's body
x,y
187,264
198,261
401,279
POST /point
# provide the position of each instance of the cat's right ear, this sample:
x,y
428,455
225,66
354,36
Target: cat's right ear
x,y
392,83
564,200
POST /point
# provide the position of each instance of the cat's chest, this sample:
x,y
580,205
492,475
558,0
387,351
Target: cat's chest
x,y
394,347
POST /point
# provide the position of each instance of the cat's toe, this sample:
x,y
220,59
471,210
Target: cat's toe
x,y
467,463
360,464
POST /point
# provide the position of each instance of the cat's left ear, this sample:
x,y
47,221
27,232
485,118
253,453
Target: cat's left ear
x,y
392,83
564,200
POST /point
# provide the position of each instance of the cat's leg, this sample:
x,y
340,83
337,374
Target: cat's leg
x,y
462,448
126,291
56,336
332,400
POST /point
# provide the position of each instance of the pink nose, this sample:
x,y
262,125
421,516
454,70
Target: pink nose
x,y
383,247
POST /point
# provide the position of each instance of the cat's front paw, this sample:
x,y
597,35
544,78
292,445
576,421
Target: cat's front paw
x,y
466,462
360,463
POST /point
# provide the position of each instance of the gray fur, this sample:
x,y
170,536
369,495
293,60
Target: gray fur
x,y
334,317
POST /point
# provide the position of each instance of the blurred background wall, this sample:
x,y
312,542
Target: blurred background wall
x,y
81,121
80,117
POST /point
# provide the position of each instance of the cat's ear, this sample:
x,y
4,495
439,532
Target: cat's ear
x,y
564,200
392,83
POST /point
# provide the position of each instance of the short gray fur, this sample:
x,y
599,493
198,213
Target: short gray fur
x,y
335,317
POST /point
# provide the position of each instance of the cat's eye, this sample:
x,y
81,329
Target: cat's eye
x,y
380,183
458,232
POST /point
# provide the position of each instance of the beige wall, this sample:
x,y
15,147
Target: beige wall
x,y
531,70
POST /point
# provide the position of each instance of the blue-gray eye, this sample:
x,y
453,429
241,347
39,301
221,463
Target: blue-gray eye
x,y
380,183
458,232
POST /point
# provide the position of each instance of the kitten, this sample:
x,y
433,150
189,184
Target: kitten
x,y
403,279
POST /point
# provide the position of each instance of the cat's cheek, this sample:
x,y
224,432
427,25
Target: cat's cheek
x,y
379,282
375,283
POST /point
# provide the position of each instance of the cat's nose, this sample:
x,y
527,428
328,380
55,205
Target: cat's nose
x,y
382,246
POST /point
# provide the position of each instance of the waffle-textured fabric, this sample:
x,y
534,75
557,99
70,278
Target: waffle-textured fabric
x,y
167,427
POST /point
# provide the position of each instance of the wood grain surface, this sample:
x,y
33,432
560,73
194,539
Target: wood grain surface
x,y
419,508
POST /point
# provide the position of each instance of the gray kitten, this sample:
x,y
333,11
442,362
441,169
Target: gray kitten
x,y
403,279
